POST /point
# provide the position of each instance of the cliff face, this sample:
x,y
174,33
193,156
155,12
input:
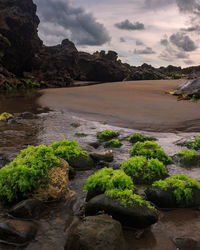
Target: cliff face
x,y
18,29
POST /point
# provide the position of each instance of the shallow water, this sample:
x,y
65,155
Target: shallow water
x,y
57,125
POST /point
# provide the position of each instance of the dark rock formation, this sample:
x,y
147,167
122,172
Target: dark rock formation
x,y
19,40
136,217
23,56
28,209
96,233
186,244
165,199
102,67
16,232
56,65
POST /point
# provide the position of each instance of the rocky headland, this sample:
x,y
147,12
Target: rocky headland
x,y
25,62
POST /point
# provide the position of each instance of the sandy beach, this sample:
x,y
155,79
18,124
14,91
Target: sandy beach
x,y
137,104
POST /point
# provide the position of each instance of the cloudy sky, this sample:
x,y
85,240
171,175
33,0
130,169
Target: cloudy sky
x,y
157,32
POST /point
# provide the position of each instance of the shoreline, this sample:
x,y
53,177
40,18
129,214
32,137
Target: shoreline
x,y
142,105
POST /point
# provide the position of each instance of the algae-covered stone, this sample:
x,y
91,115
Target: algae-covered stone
x,y
137,216
144,171
4,117
187,158
178,191
150,150
73,154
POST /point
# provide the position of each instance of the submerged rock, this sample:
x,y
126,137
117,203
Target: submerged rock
x,y
106,156
97,233
186,244
133,217
28,209
17,232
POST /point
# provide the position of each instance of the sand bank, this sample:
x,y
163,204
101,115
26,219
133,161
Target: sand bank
x,y
140,105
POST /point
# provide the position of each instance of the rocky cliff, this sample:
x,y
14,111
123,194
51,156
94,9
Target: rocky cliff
x,y
26,62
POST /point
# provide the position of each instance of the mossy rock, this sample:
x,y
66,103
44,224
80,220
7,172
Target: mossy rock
x,y
55,187
178,191
195,145
20,178
113,144
187,158
73,154
141,138
107,134
144,171
106,179
150,150
4,117
139,215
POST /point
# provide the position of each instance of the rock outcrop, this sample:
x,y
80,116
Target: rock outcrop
x,y
24,57
97,233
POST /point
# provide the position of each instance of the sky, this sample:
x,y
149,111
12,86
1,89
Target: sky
x,y
157,32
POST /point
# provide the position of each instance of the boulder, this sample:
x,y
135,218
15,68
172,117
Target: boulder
x,y
97,233
28,209
106,156
56,186
165,199
82,163
17,232
133,217
190,87
186,244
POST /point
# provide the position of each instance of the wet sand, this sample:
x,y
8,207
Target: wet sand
x,y
140,105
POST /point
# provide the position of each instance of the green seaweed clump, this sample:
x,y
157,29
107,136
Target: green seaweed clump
x,y
113,144
68,150
5,116
127,198
181,185
30,84
107,135
139,137
107,178
144,171
196,144
188,158
81,135
150,150
25,173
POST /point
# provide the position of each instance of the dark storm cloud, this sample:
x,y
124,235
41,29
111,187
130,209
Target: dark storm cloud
x,y
195,28
146,51
122,40
139,43
127,25
84,28
164,42
183,41
188,5
189,62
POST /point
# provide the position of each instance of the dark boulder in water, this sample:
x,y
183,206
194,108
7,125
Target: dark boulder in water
x,y
96,233
133,217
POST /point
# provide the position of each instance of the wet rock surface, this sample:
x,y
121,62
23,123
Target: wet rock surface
x,y
16,232
166,199
28,209
97,233
105,156
186,243
137,217
190,87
